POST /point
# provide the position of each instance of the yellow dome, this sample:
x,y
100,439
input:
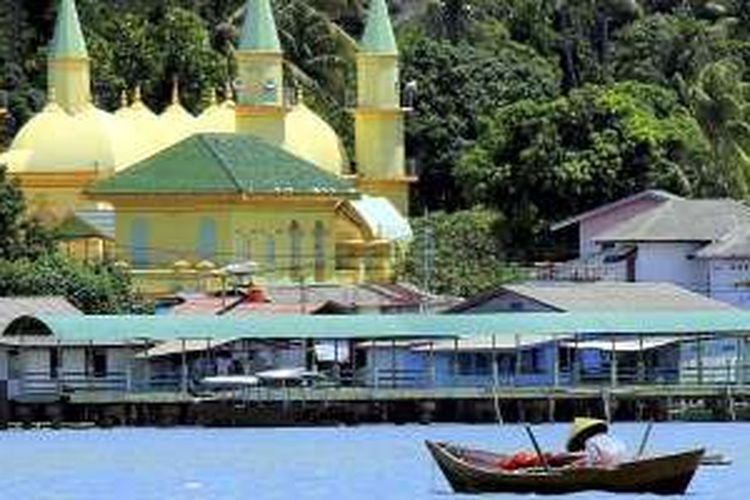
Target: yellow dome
x,y
310,137
54,141
176,124
218,118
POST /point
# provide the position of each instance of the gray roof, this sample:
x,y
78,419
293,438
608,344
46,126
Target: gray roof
x,y
14,307
616,296
651,194
735,245
682,220
102,220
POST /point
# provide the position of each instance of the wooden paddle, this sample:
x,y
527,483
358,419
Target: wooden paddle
x,y
646,434
537,448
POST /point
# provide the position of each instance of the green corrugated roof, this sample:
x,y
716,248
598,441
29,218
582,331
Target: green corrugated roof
x,y
112,328
259,28
378,37
223,163
68,40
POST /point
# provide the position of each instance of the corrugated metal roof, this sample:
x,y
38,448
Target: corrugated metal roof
x,y
616,296
682,220
13,307
649,194
735,245
396,325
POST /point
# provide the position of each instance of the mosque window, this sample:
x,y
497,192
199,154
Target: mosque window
x,y
295,249
320,256
207,238
139,242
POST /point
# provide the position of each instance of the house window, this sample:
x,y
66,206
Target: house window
x,y
516,306
295,249
320,257
207,238
96,363
54,362
139,255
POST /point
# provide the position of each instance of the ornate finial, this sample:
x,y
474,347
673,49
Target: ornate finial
x,y
213,99
124,99
137,94
299,95
51,95
175,90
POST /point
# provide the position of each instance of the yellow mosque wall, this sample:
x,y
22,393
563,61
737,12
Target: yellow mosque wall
x,y
333,246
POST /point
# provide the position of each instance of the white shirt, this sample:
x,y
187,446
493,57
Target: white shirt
x,y
603,450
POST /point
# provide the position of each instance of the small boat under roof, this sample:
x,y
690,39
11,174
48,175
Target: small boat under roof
x,y
476,471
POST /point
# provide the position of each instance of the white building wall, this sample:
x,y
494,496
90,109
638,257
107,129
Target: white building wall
x,y
3,363
672,262
35,361
729,281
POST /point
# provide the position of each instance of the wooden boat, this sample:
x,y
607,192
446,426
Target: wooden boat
x,y
476,471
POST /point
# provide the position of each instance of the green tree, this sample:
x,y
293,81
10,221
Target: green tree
x,y
457,85
721,103
542,161
463,252
93,288
20,235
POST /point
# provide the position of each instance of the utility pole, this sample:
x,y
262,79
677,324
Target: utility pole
x,y
428,255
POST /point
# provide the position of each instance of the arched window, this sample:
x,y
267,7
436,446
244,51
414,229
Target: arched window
x,y
295,249
139,252
207,238
320,252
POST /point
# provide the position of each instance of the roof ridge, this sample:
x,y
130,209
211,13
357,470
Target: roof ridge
x,y
203,138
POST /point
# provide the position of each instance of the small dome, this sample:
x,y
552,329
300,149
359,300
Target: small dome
x,y
310,137
54,141
218,118
146,124
176,123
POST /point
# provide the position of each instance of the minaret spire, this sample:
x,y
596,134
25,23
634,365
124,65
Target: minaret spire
x,y
378,37
68,60
259,28
260,109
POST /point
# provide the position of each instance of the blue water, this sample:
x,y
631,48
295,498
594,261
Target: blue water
x,y
378,462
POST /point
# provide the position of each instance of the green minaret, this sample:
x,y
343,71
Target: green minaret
x,y
68,68
379,119
260,109
378,37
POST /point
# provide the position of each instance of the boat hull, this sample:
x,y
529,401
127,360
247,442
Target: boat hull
x,y
473,471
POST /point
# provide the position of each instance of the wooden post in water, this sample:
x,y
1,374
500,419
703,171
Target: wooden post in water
x,y
741,360
184,374
613,363
699,359
433,371
517,371
555,361
496,382
641,376
374,368
393,363
455,358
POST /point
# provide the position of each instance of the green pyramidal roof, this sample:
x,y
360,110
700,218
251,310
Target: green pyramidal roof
x,y
68,40
378,37
214,163
259,28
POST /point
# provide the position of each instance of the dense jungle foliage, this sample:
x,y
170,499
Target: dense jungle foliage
x,y
527,110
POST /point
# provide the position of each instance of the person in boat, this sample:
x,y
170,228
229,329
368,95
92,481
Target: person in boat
x,y
590,437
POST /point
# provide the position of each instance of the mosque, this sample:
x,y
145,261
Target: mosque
x,y
255,179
